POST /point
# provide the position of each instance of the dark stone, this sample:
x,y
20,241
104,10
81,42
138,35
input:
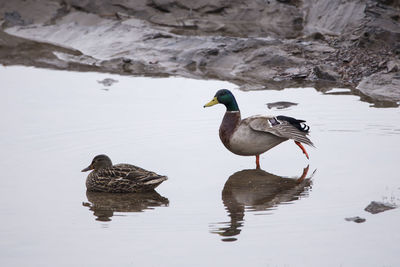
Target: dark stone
x,y
386,2
281,105
160,7
13,18
318,36
191,66
216,10
212,52
156,36
377,207
298,24
395,18
107,82
355,219
323,75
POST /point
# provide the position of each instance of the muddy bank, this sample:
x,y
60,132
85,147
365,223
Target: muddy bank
x,y
255,44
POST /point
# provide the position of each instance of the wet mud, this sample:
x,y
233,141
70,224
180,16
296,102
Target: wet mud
x,y
254,44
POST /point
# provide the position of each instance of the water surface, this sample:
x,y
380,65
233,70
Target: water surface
x,y
55,122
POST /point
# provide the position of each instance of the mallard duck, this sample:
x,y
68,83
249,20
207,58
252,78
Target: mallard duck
x,y
104,205
256,134
258,190
120,178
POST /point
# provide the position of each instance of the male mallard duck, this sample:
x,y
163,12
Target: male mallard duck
x,y
257,134
257,190
120,178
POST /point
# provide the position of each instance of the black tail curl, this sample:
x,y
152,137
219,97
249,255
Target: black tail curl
x,y
299,124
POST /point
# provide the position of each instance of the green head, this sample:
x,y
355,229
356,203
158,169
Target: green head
x,y
224,96
99,162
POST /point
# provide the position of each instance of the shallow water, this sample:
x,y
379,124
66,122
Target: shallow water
x,y
55,122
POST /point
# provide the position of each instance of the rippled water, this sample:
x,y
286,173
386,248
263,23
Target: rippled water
x,y
215,209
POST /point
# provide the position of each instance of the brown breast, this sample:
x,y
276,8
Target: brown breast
x,y
229,123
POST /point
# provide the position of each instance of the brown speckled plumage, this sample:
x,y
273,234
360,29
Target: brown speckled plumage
x,y
120,178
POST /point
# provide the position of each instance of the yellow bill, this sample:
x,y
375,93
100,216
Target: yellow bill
x,y
212,102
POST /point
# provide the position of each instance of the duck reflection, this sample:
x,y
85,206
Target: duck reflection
x,y
257,190
104,205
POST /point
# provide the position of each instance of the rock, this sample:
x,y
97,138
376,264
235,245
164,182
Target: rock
x,y
212,52
324,74
355,219
281,104
126,60
393,66
107,82
156,36
381,86
13,18
318,36
377,207
382,64
299,73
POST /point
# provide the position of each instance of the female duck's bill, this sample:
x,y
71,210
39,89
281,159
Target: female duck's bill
x,y
99,162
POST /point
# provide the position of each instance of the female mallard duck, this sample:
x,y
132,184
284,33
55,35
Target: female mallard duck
x,y
120,178
257,134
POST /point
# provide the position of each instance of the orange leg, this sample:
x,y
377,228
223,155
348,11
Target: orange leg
x,y
302,148
305,171
258,161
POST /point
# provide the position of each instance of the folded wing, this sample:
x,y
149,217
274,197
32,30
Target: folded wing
x,y
282,126
132,173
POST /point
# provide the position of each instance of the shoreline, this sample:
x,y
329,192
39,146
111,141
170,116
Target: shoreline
x,y
259,46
